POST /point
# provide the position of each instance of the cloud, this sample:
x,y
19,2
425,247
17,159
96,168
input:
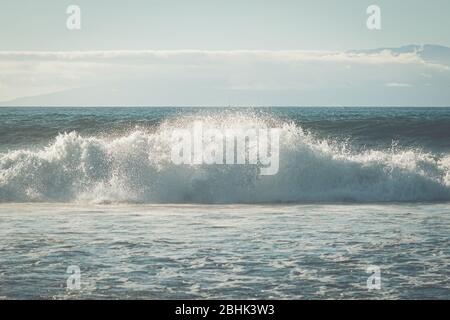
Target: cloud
x,y
190,77
385,56
398,85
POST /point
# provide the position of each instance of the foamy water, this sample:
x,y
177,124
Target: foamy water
x,y
224,251
135,166
95,188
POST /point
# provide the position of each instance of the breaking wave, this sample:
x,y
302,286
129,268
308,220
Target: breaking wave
x,y
135,167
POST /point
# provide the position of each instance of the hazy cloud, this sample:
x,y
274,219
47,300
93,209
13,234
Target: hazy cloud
x,y
205,77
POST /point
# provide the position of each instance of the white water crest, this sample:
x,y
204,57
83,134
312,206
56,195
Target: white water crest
x,y
136,167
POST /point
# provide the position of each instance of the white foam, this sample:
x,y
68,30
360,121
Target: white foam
x,y
136,167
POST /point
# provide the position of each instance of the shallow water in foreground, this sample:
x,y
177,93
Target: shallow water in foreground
x,y
225,251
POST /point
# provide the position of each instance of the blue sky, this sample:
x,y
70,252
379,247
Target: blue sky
x,y
221,24
242,52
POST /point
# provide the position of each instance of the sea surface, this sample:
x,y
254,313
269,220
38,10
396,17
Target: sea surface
x,y
94,190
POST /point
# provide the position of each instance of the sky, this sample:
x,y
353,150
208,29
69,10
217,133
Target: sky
x,y
222,52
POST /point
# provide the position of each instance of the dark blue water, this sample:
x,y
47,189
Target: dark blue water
x,y
427,128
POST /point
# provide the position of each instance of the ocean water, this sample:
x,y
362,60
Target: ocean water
x,y
95,188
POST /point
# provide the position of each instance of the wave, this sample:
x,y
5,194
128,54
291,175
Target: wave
x,y
135,167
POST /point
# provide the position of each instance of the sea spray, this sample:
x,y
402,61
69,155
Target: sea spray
x,y
136,167
208,145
